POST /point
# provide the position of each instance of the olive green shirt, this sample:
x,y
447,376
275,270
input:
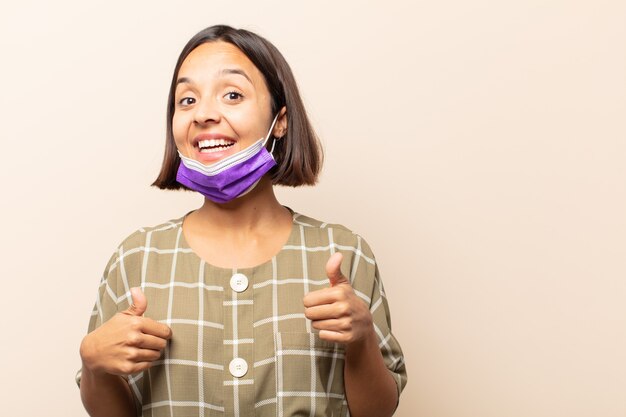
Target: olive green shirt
x,y
241,345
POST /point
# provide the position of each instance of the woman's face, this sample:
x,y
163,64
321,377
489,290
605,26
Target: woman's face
x,y
222,104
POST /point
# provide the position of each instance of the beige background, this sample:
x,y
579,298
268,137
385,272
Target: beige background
x,y
478,146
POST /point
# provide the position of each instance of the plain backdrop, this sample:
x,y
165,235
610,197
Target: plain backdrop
x,y
479,146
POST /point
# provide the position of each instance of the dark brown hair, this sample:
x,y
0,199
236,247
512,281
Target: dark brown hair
x,y
298,153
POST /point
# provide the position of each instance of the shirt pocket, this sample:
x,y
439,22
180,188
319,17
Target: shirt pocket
x,y
309,376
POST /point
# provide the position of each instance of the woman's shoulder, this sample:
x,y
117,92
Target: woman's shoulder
x,y
310,224
338,233
163,233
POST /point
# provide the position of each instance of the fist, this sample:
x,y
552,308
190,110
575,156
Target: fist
x,y
127,343
337,312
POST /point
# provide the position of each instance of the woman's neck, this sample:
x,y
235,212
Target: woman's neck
x,y
242,233
256,210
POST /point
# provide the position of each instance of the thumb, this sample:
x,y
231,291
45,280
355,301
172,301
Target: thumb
x,y
333,270
139,305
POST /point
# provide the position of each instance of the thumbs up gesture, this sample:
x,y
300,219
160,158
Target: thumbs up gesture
x,y
127,343
337,312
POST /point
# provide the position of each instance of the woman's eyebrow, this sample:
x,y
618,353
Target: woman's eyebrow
x,y
225,71
238,71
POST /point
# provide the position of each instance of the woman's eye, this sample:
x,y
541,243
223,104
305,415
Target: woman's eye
x,y
233,96
186,101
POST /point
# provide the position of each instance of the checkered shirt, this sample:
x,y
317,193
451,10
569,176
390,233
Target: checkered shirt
x,y
260,330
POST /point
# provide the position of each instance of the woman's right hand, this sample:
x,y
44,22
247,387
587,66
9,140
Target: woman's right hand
x,y
127,343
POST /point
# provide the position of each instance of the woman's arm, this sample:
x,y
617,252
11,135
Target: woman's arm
x,y
370,388
127,343
342,317
106,395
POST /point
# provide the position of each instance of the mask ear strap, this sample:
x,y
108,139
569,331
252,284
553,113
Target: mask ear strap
x,y
273,144
270,132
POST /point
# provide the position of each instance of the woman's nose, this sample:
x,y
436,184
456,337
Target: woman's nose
x,y
206,113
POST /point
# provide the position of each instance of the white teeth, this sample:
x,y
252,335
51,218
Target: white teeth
x,y
210,143
211,150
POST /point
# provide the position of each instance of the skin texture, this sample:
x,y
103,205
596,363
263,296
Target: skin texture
x,y
224,94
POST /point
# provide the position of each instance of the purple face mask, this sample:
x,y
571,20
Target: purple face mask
x,y
231,177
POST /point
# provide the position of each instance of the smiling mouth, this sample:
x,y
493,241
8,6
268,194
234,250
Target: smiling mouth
x,y
214,145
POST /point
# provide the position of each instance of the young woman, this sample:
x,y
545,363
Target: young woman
x,y
242,307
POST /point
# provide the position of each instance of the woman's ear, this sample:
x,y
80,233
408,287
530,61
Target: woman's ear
x,y
281,124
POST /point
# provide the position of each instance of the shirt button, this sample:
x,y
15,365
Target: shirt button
x,y
239,282
238,367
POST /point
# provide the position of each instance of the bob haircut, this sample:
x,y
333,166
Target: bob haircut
x,y
298,153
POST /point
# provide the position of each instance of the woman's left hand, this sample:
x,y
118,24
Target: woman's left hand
x,y
337,312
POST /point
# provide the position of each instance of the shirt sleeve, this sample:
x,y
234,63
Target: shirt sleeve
x,y
112,296
366,281
105,306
